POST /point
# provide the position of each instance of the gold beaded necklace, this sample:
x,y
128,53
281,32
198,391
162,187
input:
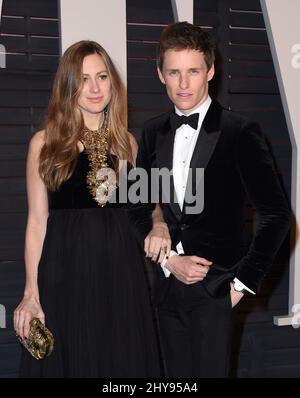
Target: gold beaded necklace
x,y
101,180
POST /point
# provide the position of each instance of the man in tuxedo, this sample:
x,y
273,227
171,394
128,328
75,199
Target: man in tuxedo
x,y
211,265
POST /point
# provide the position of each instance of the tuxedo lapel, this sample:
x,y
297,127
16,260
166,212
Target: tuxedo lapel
x,y
164,157
207,140
164,147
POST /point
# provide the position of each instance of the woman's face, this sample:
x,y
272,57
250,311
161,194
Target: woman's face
x,y
96,89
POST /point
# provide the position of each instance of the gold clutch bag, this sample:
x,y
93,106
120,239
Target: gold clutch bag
x,y
40,341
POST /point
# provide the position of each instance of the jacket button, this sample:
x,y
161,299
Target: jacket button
x,y
183,227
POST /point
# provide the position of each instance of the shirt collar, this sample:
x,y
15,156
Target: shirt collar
x,y
202,109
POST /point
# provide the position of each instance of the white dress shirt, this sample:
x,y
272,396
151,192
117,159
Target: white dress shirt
x,y
184,145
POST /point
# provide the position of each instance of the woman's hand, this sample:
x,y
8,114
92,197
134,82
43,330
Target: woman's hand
x,y
157,244
28,308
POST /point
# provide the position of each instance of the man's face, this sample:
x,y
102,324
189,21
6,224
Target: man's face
x,y
186,78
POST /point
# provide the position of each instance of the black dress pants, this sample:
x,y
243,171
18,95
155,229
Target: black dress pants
x,y
195,331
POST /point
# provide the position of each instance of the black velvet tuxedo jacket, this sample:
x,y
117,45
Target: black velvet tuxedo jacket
x,y
236,162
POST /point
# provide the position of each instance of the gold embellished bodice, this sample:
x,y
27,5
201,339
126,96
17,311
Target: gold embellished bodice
x,y
101,178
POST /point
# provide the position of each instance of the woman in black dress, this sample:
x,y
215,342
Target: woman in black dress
x,y
84,267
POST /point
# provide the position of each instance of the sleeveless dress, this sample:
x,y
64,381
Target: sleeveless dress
x,y
93,289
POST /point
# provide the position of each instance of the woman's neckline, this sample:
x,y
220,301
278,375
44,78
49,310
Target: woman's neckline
x,y
85,152
81,149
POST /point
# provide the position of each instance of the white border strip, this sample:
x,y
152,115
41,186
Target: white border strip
x,y
282,39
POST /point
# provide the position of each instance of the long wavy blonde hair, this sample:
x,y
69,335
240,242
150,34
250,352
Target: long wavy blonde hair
x,y
64,121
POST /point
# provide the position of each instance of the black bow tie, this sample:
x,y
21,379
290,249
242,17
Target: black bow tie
x,y
177,121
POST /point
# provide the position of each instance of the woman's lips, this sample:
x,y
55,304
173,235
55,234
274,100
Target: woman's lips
x,y
95,100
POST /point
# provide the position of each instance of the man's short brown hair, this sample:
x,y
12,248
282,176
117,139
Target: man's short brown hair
x,y
185,36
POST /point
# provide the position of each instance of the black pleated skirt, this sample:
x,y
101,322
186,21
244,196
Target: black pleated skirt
x,y
95,296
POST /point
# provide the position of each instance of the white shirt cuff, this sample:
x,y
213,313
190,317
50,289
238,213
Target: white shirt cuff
x,y
241,285
164,262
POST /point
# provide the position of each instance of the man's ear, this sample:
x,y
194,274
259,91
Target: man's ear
x,y
160,75
211,72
